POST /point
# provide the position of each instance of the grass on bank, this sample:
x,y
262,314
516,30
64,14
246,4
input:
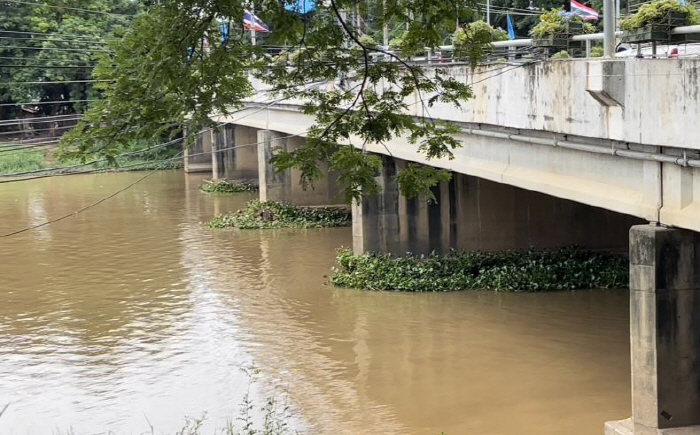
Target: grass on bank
x,y
563,269
19,161
225,186
273,214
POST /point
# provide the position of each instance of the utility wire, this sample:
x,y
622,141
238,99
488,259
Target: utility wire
x,y
92,11
54,118
13,47
37,39
33,130
37,103
49,34
79,210
57,82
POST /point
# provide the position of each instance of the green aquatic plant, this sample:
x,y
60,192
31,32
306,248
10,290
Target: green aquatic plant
x,y
533,270
658,12
225,186
273,214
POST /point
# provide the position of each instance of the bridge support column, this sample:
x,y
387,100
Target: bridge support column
x,y
390,223
198,155
664,333
235,153
285,185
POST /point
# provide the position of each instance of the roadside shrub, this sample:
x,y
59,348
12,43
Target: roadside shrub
x,y
561,55
273,214
563,269
474,41
597,51
657,11
225,186
552,22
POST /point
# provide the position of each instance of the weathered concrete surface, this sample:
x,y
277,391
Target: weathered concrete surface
x,y
235,153
660,99
477,214
285,185
198,155
664,330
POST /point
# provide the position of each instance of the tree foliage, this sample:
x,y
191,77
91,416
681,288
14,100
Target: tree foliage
x,y
53,42
173,72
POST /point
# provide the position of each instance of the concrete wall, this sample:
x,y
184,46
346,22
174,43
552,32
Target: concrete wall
x,y
659,99
477,214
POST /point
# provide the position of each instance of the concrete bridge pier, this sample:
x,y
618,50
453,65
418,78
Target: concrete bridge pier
x,y
198,156
285,185
235,153
476,214
664,333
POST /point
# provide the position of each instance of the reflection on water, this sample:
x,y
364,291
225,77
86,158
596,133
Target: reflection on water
x,y
133,311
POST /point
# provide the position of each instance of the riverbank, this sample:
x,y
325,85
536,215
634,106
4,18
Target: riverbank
x,y
20,161
530,271
272,214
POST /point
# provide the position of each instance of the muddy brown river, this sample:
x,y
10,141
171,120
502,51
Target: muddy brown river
x,y
134,315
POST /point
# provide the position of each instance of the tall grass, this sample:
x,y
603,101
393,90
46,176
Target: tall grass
x,y
13,161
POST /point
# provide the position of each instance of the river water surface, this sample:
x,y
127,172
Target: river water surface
x,y
132,314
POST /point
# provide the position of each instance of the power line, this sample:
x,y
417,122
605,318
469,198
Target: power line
x,y
92,11
12,47
48,66
37,103
30,38
57,82
21,121
33,130
12,233
49,34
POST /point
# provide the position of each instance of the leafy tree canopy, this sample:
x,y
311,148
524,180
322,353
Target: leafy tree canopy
x,y
55,41
174,71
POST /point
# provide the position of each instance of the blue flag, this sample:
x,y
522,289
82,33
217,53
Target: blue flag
x,y
224,32
301,6
511,30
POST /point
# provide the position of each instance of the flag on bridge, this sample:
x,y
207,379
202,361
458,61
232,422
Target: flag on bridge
x,y
252,22
586,13
511,30
301,6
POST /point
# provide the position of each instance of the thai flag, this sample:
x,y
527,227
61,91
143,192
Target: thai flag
x,y
251,22
586,13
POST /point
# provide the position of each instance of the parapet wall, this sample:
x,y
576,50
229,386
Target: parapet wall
x,y
654,101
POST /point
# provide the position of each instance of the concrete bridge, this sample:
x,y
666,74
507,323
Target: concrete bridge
x,y
603,154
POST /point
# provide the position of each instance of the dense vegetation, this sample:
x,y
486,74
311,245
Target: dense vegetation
x,y
272,214
657,13
141,156
226,186
564,269
552,22
54,41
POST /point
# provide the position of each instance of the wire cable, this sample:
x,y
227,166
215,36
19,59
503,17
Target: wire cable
x,y
37,103
76,212
72,35
12,47
92,11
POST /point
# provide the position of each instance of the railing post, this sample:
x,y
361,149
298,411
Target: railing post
x,y
609,28
588,48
